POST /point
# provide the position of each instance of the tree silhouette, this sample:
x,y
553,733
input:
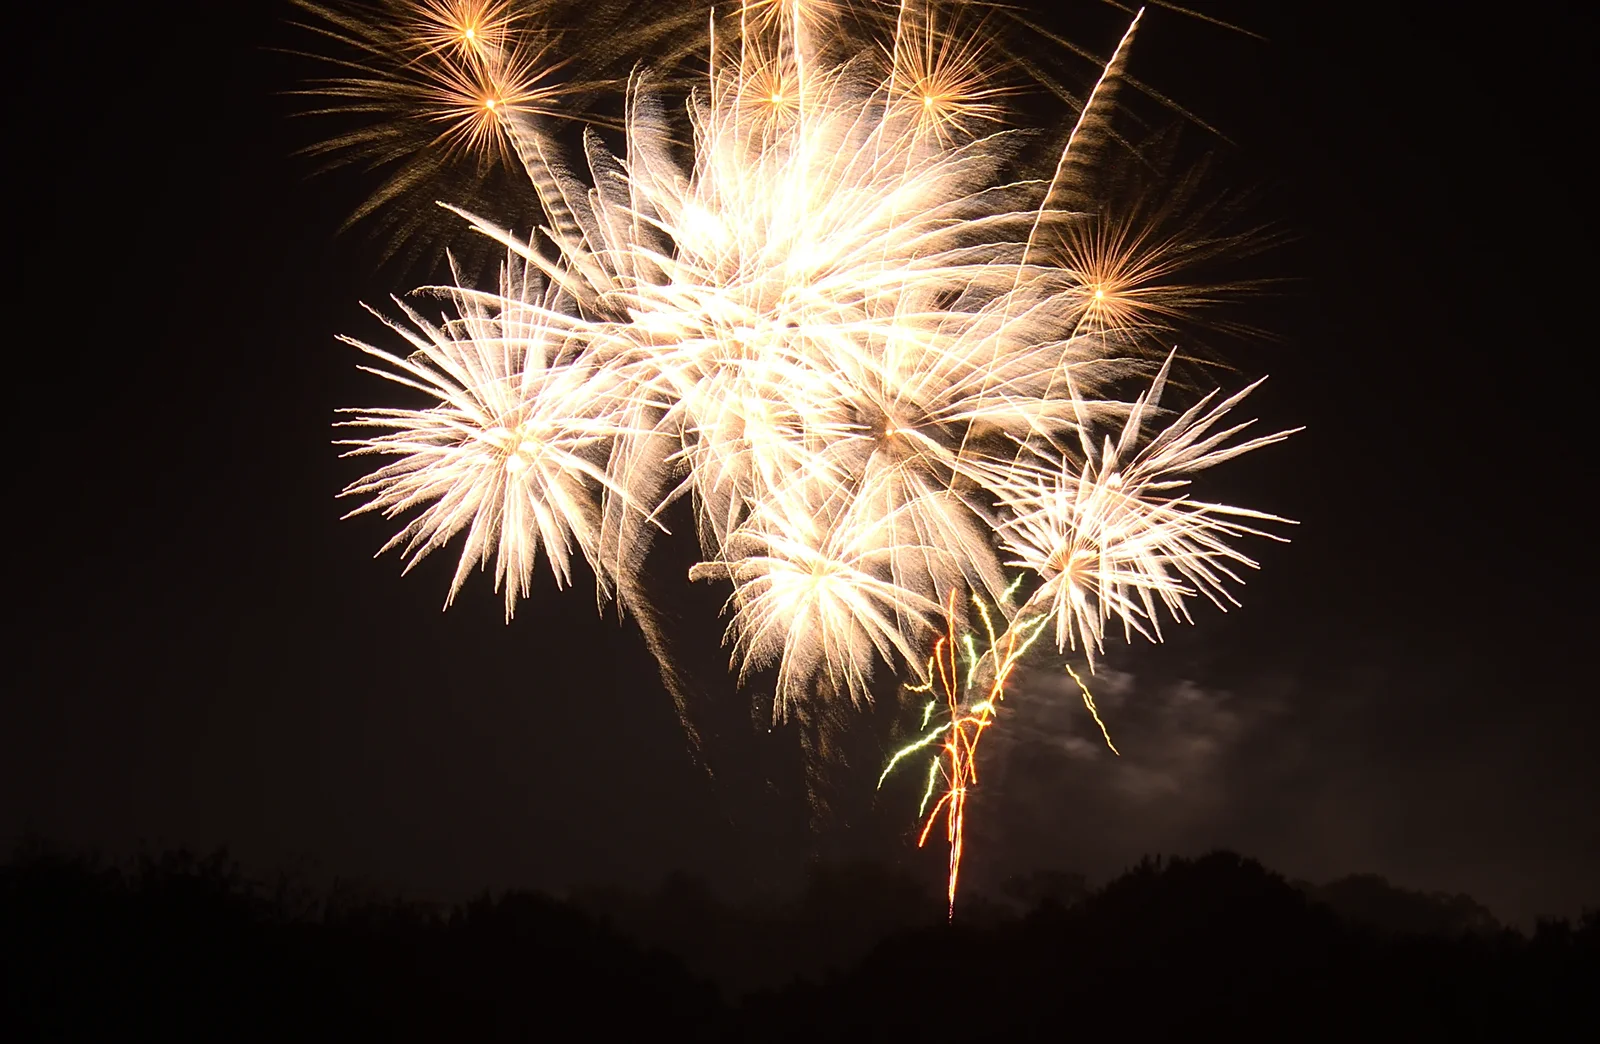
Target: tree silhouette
x,y
179,946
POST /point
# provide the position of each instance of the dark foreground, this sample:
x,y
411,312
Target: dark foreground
x,y
178,948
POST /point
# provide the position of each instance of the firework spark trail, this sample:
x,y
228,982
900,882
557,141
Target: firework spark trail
x,y
971,711
1088,701
830,326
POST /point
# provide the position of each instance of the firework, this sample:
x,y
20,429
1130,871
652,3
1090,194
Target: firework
x,y
428,91
880,364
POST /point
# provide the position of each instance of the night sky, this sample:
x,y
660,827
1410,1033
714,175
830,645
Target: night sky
x,y
202,653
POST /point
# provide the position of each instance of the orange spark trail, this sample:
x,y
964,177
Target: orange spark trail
x,y
958,761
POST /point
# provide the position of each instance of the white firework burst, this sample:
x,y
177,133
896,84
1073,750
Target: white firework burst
x,y
512,447
1110,531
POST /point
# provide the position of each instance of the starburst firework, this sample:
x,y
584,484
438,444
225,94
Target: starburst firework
x,y
427,92
881,361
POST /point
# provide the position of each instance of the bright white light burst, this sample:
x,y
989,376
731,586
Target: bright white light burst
x,y
881,364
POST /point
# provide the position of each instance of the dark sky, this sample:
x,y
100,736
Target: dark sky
x,y
203,654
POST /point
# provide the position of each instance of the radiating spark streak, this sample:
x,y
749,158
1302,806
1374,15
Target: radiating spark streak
x,y
1077,128
927,792
933,815
912,749
1207,18
1088,701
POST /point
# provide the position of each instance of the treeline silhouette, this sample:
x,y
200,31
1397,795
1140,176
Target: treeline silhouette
x,y
178,946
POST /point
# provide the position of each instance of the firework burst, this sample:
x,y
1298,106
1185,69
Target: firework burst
x,y
881,356
427,92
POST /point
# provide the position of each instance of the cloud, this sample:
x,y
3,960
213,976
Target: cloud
x,y
1420,772
1054,794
